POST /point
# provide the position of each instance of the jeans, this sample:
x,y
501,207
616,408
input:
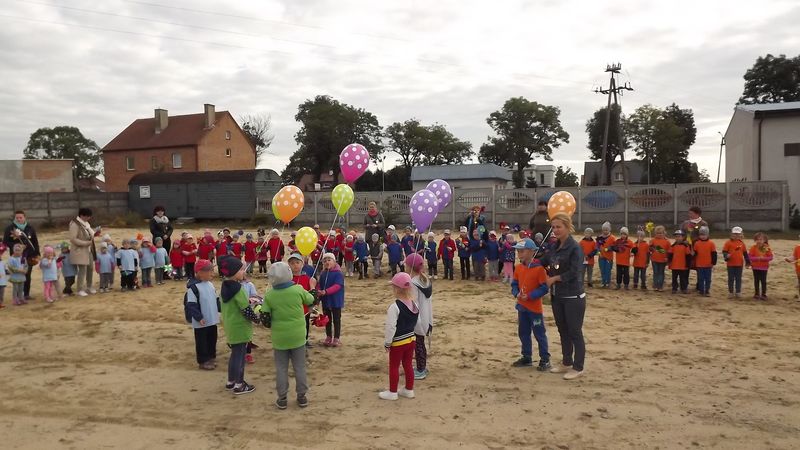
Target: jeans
x,y
298,358
465,272
189,269
568,314
735,280
393,268
448,268
421,353
18,292
479,268
704,279
493,270
587,273
236,363
623,275
658,274
159,275
128,279
68,282
177,272
349,265
605,271
147,279
376,267
397,355
680,278
105,280
334,325
432,269
760,279
640,275
84,277
205,343
528,321
361,268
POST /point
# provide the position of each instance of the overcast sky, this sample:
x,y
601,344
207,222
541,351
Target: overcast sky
x,y
101,65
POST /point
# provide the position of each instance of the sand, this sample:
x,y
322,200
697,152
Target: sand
x,y
117,370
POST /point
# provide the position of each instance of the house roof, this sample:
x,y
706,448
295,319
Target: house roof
x,y
198,177
460,172
636,169
760,110
181,131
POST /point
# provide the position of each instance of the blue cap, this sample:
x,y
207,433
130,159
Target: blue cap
x,y
526,244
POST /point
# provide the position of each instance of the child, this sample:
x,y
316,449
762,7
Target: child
x,y
795,258
292,245
447,252
202,307
680,259
206,246
361,251
105,266
734,252
67,269
331,294
276,247
421,292
401,319
134,246
431,256
376,250
589,247
147,261
235,248
705,258
659,247
49,267
161,259
528,287
348,255
262,255
605,243
3,275
189,252
760,255
622,247
250,253
395,252
285,304
112,250
237,316
641,259
17,268
509,257
477,250
306,282
175,259
407,242
128,264
492,255
463,252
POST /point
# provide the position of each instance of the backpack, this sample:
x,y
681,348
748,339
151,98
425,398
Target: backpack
x,y
196,293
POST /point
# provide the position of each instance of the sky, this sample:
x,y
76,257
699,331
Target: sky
x,y
100,65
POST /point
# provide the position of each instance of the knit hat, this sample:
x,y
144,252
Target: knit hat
x,y
737,230
640,233
447,232
375,237
249,236
606,226
329,256
106,237
401,280
414,261
588,230
157,240
430,234
703,231
463,229
391,227
103,245
279,273
202,265
623,230
678,233
296,256
493,233
229,266
349,237
538,237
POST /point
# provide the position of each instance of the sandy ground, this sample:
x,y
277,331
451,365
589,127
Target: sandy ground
x,y
118,371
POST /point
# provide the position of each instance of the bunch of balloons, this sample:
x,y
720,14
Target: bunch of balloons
x,y
426,203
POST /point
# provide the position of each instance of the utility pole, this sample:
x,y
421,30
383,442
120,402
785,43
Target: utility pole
x,y
721,144
612,90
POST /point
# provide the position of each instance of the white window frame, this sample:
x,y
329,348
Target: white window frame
x,y
227,135
619,177
228,152
130,164
154,162
179,164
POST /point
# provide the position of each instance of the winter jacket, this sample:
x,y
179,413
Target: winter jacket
x,y
332,282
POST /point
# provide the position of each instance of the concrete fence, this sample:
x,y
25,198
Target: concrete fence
x,y
54,206
758,205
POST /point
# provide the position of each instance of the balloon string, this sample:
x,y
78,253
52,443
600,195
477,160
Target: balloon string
x,y
543,242
327,238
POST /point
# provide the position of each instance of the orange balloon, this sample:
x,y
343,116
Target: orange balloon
x,y
290,202
561,202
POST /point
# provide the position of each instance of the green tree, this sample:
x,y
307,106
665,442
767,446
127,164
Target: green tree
x,y
524,128
258,129
617,142
404,139
565,177
64,142
426,145
531,183
772,80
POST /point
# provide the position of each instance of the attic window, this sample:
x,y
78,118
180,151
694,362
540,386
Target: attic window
x,y
177,162
618,176
227,153
154,162
228,135
129,163
791,149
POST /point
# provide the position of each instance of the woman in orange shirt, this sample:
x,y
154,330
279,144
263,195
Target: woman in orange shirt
x,y
641,258
622,247
659,246
680,258
604,243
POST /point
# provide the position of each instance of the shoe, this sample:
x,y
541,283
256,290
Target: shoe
x,y
208,365
544,366
763,297
618,287
560,369
572,374
756,297
309,344
244,388
249,359
644,288
730,295
591,285
420,374
635,286
93,291
336,342
738,295
327,342
82,294
387,395
302,400
229,386
49,300
407,393
524,361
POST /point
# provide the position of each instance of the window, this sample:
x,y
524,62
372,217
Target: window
x,y
228,152
177,163
129,163
541,179
154,162
228,135
791,149
618,177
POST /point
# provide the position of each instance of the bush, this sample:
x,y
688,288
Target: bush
x,y
128,220
794,217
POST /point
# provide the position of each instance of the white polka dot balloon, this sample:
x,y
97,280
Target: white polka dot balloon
x,y
561,202
443,192
353,161
424,207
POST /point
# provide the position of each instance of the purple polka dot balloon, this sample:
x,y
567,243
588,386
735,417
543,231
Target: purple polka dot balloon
x,y
442,190
424,207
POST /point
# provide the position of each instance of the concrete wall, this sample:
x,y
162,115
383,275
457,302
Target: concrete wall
x,y
740,145
775,165
33,175
117,175
55,206
212,148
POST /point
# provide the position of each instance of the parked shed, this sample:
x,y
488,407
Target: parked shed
x,y
227,194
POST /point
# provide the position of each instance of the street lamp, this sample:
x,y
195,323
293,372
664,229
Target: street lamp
x,y
721,144
383,174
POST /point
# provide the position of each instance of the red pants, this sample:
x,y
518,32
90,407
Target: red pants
x,y
402,353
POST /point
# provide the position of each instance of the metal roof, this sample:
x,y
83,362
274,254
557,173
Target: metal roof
x,y
770,106
461,172
202,177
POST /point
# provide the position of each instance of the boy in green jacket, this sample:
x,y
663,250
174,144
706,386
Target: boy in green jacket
x,y
284,302
237,316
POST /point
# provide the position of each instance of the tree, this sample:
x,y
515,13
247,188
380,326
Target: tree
x,y
617,143
524,128
404,139
426,145
565,178
328,126
531,183
257,127
772,80
65,142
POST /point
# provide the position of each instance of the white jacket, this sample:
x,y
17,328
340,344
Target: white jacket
x,y
424,300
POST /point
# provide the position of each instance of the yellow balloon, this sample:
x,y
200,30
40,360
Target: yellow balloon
x,y
290,202
561,202
306,240
342,198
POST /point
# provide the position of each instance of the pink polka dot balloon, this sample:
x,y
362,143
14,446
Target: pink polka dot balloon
x,y
424,206
354,161
442,190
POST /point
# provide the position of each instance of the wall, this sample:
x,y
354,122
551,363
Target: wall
x,y
465,184
226,200
42,207
117,175
775,133
33,175
740,144
211,148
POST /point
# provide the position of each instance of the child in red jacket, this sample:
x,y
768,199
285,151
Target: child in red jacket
x,y
262,255
176,260
349,255
235,248
276,247
250,252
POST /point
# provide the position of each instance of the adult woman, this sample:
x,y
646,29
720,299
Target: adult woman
x,y
21,232
82,250
475,220
374,222
160,227
565,263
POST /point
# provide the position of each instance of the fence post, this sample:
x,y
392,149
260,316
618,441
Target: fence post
x,y
727,205
675,205
580,210
316,205
494,208
13,202
453,198
784,206
49,214
626,207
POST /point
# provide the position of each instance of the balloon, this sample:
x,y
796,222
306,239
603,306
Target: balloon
x,y
424,207
290,203
342,198
354,161
561,202
275,207
306,240
442,191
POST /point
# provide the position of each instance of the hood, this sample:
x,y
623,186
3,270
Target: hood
x,y
229,289
336,268
425,288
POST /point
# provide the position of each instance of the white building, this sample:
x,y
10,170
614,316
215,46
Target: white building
x,y
544,174
763,143
462,176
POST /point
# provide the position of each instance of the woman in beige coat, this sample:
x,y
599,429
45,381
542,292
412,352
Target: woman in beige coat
x,y
83,252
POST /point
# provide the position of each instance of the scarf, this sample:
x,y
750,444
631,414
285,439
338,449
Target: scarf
x,y
22,225
373,214
85,226
161,220
696,221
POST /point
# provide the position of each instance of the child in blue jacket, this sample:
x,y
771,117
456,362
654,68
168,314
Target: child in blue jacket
x,y
431,256
331,293
361,250
462,243
493,255
477,249
395,251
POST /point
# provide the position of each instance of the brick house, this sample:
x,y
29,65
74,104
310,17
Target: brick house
x,y
206,142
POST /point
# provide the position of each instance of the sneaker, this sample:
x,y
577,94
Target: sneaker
x,y
387,395
524,361
249,359
763,297
336,342
229,386
82,294
560,369
738,295
407,393
420,374
327,342
302,400
281,403
244,388
208,365
756,297
572,374
544,366
93,291
730,295
309,344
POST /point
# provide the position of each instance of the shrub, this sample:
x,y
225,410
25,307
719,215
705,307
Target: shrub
x,y
794,217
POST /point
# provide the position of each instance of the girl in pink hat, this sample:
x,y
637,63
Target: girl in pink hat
x,y
399,340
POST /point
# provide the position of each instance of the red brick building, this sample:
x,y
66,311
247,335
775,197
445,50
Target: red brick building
x,y
206,142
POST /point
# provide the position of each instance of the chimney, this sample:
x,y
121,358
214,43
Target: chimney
x,y
162,120
211,115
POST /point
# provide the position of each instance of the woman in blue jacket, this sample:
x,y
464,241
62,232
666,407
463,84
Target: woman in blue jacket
x,y
331,294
